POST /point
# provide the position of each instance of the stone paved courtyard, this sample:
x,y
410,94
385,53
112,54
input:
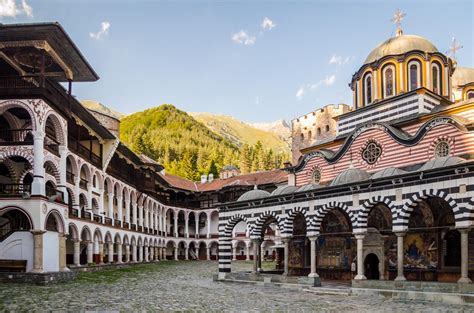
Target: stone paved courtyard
x,y
188,286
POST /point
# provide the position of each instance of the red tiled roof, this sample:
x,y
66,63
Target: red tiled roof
x,y
259,178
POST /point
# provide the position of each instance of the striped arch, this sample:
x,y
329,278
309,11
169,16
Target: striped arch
x,y
9,104
288,225
58,127
315,225
18,151
261,220
361,224
405,212
11,170
225,241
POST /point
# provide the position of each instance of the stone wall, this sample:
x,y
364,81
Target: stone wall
x,y
314,127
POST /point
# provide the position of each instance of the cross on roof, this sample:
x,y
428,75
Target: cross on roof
x,y
455,46
398,17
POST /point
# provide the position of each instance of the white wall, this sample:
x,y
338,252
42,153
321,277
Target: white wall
x,y
51,251
18,246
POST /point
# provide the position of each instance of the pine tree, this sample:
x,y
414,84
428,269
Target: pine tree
x,y
245,159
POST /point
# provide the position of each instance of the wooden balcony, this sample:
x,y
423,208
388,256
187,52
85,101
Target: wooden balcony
x,y
76,147
16,137
14,190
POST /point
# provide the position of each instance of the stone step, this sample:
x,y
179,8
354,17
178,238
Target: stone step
x,y
329,291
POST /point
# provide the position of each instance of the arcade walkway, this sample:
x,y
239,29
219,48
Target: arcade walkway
x,y
187,286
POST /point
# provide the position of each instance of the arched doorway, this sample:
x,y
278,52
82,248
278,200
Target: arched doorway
x,y
371,265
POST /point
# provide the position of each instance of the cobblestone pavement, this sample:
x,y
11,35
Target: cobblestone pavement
x,y
188,286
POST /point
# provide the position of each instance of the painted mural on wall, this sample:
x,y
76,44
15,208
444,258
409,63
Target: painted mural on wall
x,y
335,252
420,251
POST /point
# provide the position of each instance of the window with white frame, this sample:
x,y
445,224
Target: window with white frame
x,y
388,81
414,75
368,89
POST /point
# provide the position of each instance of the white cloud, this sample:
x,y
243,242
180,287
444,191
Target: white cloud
x,y
268,24
300,93
328,81
10,8
104,30
339,60
243,38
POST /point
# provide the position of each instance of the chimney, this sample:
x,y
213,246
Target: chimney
x,y
203,179
211,177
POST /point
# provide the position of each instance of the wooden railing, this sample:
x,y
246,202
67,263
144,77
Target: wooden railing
x,y
83,183
14,189
52,145
11,137
70,177
20,82
76,147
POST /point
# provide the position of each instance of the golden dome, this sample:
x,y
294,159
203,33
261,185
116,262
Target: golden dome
x,y
463,76
399,45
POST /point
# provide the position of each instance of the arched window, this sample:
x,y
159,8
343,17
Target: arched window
x,y
302,136
436,78
414,75
319,131
470,94
368,89
388,81
327,128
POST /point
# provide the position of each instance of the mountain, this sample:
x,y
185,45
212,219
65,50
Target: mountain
x,y
99,107
280,128
240,132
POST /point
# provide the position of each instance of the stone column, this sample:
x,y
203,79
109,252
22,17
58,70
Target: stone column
x,y
127,212
101,253
127,253
110,253
186,250
37,251
176,253
186,225
234,253
134,213
62,173
209,225
400,256
120,209
360,261
38,185
464,257
145,252
77,252
176,224
256,247
152,253
163,253
119,253
248,252
313,256
140,215
90,252
110,209
140,253
208,253
134,253
286,243
196,218
62,253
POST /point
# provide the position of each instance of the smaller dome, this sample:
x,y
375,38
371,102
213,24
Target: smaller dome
x,y
229,168
387,172
284,190
462,76
350,175
253,195
441,162
309,187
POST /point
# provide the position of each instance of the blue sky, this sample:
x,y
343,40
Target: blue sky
x,y
193,54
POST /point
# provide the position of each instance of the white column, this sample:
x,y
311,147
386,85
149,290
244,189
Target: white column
x,y
196,218
286,242
176,224
186,250
77,252
400,274
101,201
256,247
376,85
127,211
145,251
208,253
110,254
101,253
119,253
176,253
90,252
360,262
157,223
464,257
120,209
110,196
313,257
428,75
62,173
209,225
186,225
134,213
134,253
76,194
140,215
248,251
38,185
140,253
127,253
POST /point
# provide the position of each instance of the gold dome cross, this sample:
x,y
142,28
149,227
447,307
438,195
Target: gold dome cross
x,y
397,19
